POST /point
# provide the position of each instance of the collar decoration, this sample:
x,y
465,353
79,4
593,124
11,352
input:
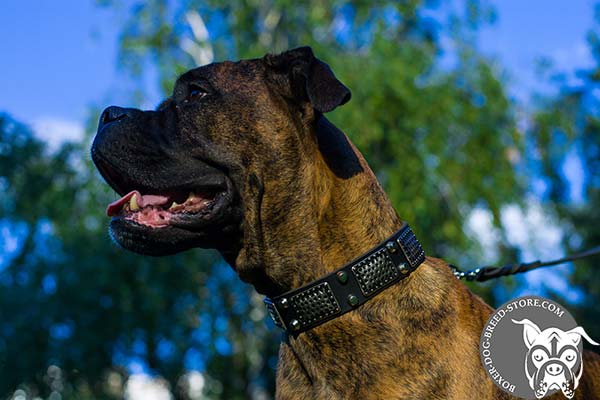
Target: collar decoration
x,y
349,287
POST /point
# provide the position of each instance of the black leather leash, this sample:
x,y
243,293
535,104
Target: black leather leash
x,y
350,286
483,274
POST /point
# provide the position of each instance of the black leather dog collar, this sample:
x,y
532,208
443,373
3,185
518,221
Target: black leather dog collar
x,y
350,286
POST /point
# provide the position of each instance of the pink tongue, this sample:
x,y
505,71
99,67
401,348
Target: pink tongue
x,y
143,201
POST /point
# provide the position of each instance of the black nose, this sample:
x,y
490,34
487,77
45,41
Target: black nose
x,y
111,114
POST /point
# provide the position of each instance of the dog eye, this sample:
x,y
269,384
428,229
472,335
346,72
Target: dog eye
x,y
196,93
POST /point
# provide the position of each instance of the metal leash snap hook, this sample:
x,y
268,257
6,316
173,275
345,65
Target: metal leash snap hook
x,y
473,274
457,272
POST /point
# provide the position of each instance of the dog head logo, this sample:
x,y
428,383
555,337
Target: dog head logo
x,y
553,360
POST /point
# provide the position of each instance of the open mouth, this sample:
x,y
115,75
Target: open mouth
x,y
193,204
161,210
171,218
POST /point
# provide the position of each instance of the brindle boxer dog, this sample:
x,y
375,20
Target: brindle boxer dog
x,y
241,159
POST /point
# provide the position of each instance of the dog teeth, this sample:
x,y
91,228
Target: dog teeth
x,y
133,204
175,204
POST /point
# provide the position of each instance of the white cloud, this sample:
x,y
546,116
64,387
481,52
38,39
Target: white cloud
x,y
480,226
576,56
193,383
55,131
532,230
537,235
535,232
144,387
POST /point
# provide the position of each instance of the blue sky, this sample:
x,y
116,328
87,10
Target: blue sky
x,y
529,29
58,57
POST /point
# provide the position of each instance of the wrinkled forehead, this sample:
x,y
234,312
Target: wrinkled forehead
x,y
224,75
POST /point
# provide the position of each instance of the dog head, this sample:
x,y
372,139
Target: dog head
x,y
230,138
553,360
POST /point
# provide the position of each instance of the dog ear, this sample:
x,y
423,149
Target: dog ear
x,y
308,79
576,333
530,331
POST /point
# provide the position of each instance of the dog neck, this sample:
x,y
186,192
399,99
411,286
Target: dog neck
x,y
334,211
354,214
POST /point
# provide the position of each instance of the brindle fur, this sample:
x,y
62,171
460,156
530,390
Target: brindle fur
x,y
307,204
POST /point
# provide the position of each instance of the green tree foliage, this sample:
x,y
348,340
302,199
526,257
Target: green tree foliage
x,y
76,311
